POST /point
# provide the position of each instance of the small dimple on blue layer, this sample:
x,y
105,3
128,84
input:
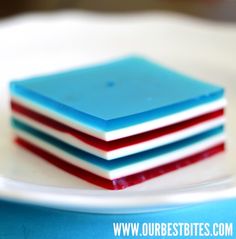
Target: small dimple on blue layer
x,y
120,162
117,94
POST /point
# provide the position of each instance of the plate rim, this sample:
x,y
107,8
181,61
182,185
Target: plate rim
x,y
117,202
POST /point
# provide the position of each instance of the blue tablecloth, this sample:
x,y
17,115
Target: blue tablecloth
x,y
31,222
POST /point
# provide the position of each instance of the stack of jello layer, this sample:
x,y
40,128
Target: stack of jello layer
x,y
120,123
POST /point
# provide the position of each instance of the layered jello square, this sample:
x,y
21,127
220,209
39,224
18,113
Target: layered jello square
x,y
119,123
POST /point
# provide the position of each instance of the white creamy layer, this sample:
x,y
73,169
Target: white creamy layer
x,y
127,150
126,131
124,170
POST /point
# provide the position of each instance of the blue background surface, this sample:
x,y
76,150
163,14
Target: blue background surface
x,y
18,221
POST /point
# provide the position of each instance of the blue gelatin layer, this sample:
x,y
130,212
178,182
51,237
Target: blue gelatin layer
x,y
117,94
120,162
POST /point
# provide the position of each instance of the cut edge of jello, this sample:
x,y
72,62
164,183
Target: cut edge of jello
x,y
119,183
107,149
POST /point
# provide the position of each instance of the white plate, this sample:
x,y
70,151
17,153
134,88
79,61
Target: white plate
x,y
202,49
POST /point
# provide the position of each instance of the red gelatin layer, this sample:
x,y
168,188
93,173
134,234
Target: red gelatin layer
x,y
115,144
124,182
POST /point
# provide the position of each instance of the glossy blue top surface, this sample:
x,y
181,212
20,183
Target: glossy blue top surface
x,y
117,94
